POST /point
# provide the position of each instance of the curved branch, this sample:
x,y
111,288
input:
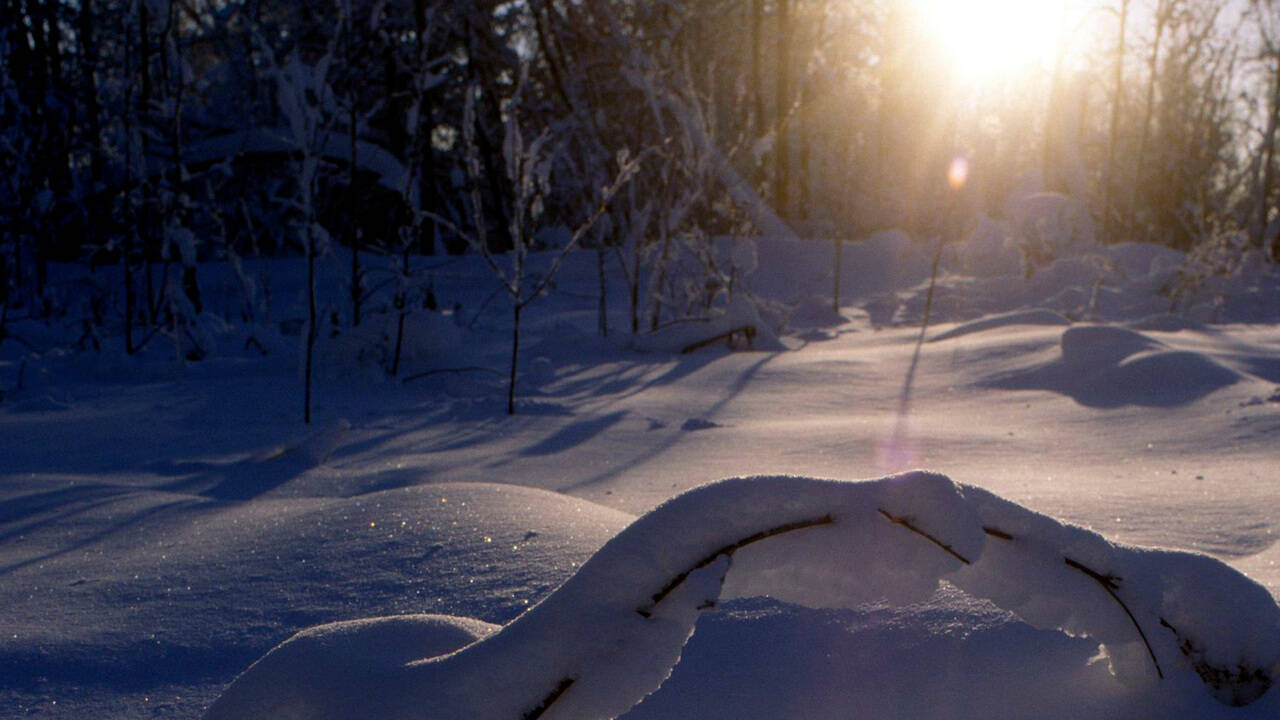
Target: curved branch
x,y
729,550
1110,583
906,523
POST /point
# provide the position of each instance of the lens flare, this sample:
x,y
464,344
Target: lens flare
x,y
958,173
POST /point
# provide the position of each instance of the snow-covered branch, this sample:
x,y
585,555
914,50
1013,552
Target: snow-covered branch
x,y
611,634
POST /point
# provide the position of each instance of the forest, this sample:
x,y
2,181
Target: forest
x,y
153,135
411,359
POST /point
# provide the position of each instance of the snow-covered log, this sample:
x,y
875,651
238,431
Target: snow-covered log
x,y
1171,621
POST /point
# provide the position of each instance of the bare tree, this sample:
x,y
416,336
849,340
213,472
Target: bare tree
x,y
528,166
1113,135
308,105
1266,18
782,108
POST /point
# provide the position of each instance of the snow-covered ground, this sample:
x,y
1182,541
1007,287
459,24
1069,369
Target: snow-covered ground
x,y
164,524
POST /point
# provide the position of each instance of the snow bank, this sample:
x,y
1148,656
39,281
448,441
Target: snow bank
x,y
1168,622
1158,614
1109,366
297,679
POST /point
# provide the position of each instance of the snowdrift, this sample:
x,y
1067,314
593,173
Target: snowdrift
x,y
1173,628
1107,366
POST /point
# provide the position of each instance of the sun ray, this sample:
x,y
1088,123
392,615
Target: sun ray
x,y
988,40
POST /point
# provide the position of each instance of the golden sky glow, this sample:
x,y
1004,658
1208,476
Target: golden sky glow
x,y
986,40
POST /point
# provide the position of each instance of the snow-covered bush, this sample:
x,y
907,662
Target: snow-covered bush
x,y
1046,226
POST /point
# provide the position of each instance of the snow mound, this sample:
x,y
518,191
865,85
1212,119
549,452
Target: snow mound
x,y
1107,366
1023,317
260,474
690,335
195,588
296,678
1170,624
814,313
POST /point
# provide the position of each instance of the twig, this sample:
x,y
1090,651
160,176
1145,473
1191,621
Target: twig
x,y
906,523
1111,583
549,700
483,306
1221,677
729,550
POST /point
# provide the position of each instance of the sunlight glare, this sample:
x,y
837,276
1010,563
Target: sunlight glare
x,y
958,173
989,39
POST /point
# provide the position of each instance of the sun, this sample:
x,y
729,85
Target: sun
x,y
988,40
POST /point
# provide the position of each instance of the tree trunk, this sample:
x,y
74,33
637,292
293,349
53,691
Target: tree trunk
x,y
312,331
835,288
426,242
353,226
516,307
757,78
1268,169
1053,123
1153,67
633,289
89,88
782,100
402,306
1108,190
604,290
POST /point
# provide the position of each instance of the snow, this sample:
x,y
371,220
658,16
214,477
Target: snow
x,y
164,524
609,636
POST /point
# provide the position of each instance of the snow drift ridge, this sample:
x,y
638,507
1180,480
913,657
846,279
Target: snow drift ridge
x,y
1168,622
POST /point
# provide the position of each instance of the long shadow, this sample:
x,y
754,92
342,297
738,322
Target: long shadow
x,y
734,389
1262,360
624,381
137,667
238,481
197,483
621,383
92,538
59,504
248,479
1267,368
25,506
574,434
618,379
